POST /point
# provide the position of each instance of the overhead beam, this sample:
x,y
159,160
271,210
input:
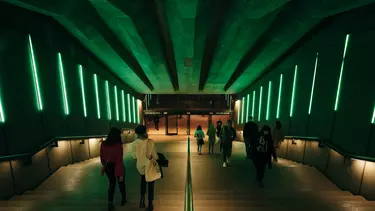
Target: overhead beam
x,y
324,23
222,8
167,44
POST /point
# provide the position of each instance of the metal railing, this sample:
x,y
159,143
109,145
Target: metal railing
x,y
189,206
335,147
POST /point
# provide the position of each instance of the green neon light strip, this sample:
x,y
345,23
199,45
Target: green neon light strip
x,y
63,85
247,107
2,115
253,107
116,102
313,82
294,91
134,115
82,89
97,95
129,109
341,71
260,103
373,117
35,76
123,106
279,97
243,110
238,111
108,100
269,100
138,119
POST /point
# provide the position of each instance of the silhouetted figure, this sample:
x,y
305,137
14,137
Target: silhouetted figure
x,y
262,151
156,121
278,137
219,125
250,134
228,135
111,157
211,133
199,135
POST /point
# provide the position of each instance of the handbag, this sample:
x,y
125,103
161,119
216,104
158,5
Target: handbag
x,y
152,172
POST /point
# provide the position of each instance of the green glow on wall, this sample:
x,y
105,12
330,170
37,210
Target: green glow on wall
x,y
80,69
313,82
294,91
238,111
2,115
134,115
97,95
341,72
243,110
108,100
35,76
260,103
116,102
247,107
269,100
253,107
63,85
138,119
373,116
129,109
279,97
123,106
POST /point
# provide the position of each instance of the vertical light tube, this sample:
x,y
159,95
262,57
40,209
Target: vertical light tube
x,y
294,91
129,109
247,107
313,82
123,106
269,100
63,85
253,107
138,104
341,72
108,100
373,116
97,95
279,97
35,75
134,116
260,103
80,69
2,115
243,109
116,103
238,104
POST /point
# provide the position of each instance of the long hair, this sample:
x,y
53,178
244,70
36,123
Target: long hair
x,y
199,127
278,125
114,137
266,128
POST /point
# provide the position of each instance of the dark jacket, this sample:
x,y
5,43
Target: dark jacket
x,y
228,135
218,128
250,131
263,148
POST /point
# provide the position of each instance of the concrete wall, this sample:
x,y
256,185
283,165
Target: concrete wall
x,y
350,125
46,162
352,175
25,127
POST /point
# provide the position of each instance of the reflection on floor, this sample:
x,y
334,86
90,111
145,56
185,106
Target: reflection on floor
x,y
288,186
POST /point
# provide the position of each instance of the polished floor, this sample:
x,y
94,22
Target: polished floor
x,y
288,186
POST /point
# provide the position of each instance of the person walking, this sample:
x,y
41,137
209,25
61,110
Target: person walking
x,y
278,137
262,152
211,133
228,135
144,149
111,157
199,135
250,134
219,126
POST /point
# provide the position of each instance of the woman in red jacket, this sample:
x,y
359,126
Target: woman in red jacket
x,y
111,157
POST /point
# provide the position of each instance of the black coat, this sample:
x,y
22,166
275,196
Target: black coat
x,y
250,131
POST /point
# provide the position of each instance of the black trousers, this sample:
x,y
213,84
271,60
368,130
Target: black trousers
x,y
211,144
150,185
247,148
110,173
227,151
274,153
157,125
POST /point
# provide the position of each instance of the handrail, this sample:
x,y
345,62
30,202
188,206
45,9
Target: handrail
x,y
189,206
55,139
334,147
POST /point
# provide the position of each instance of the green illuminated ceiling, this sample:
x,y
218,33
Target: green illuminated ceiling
x,y
166,40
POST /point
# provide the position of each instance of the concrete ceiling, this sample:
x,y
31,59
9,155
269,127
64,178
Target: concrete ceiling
x,y
190,46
